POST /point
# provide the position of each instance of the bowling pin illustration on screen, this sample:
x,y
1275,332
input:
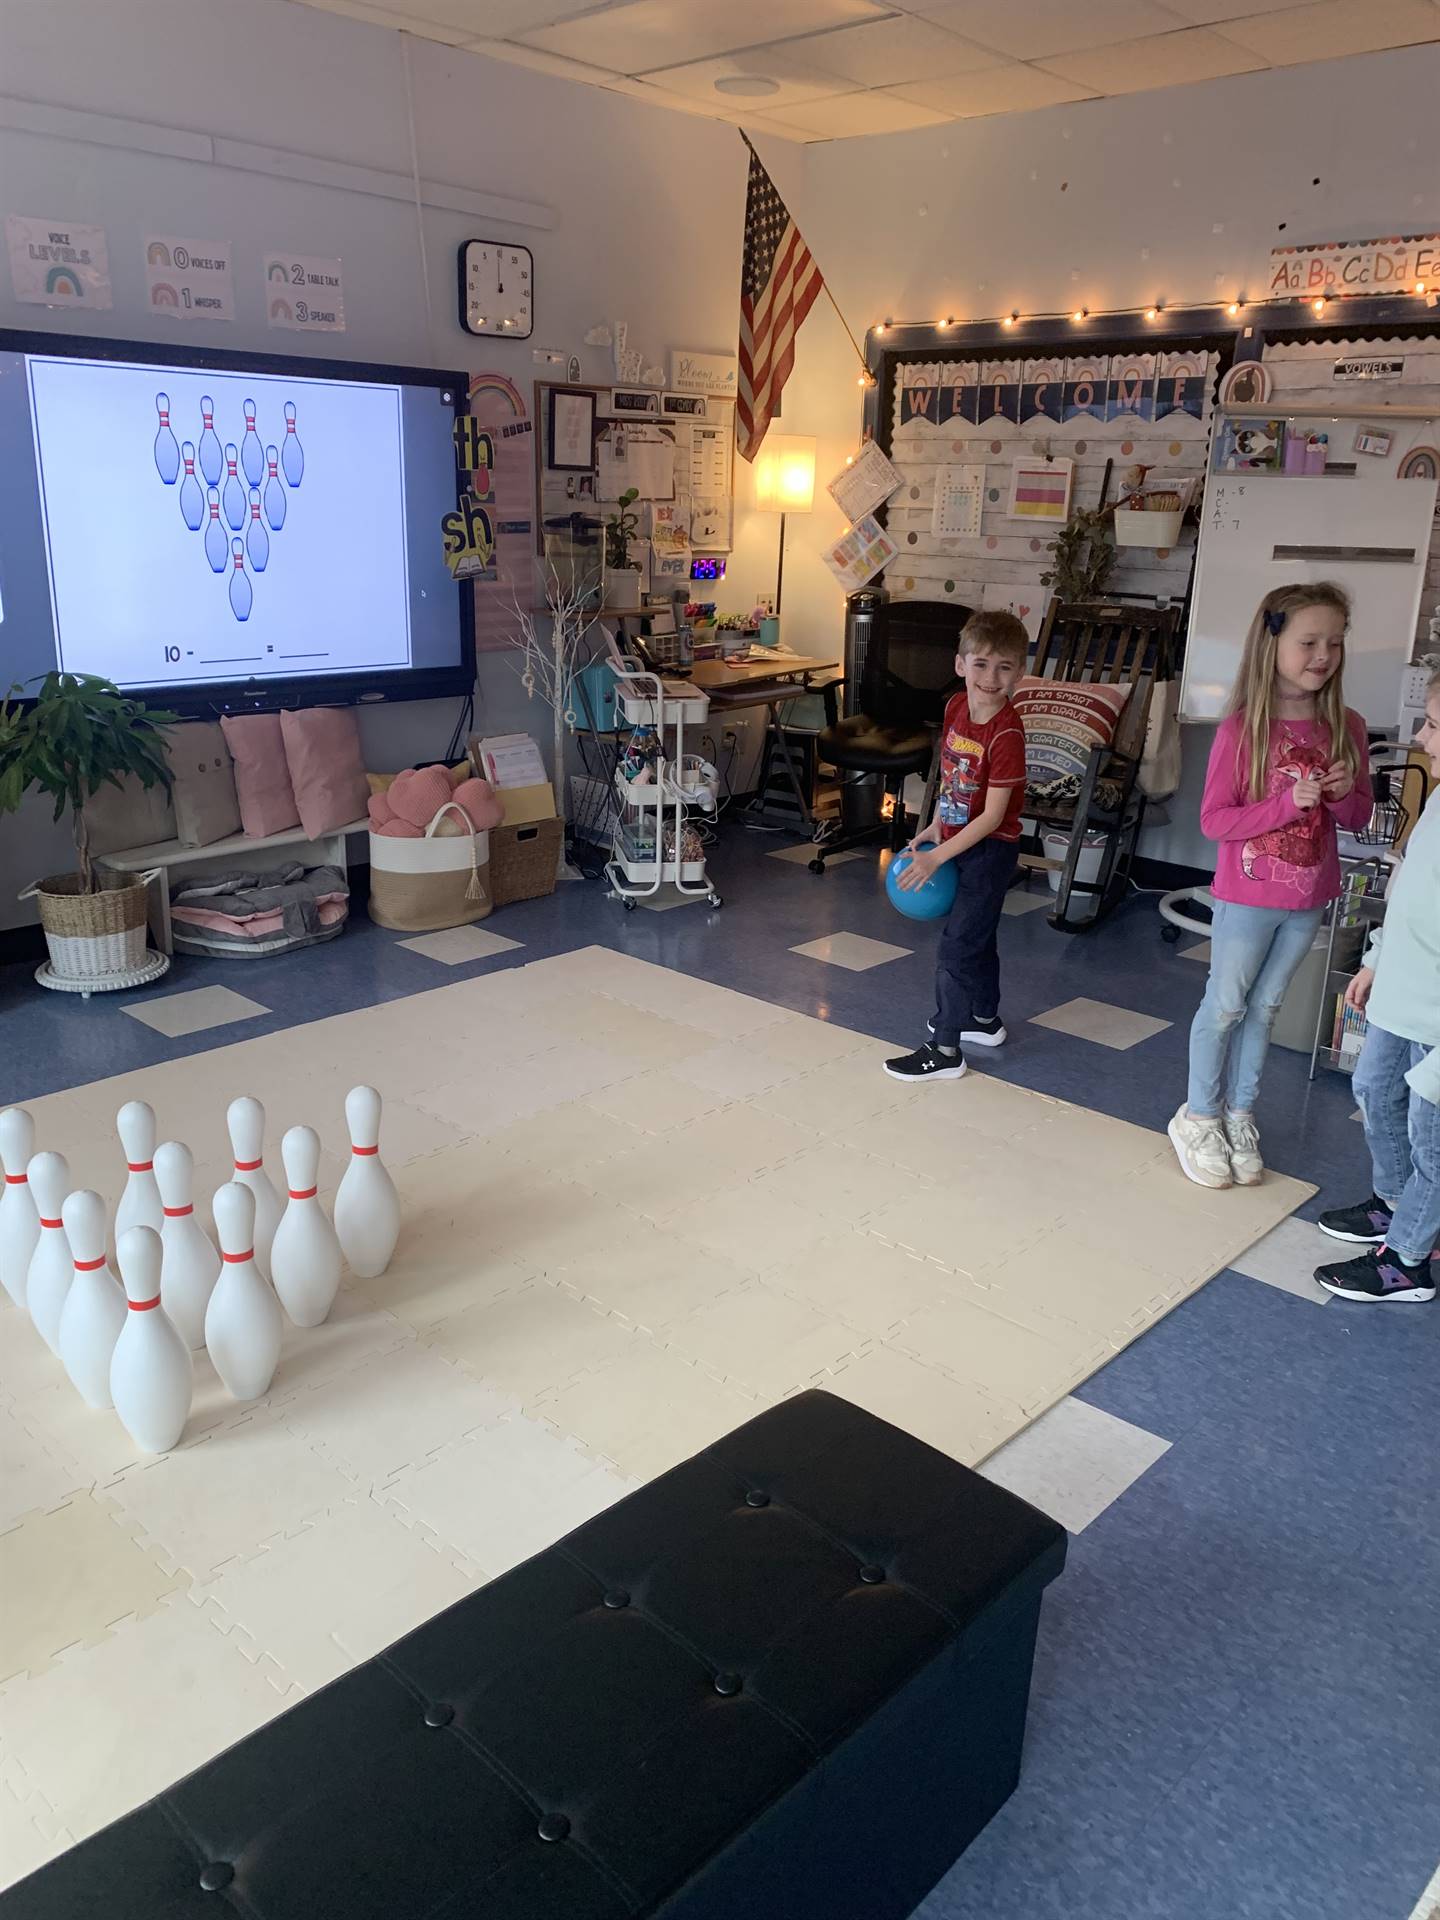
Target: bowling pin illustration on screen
x,y
237,502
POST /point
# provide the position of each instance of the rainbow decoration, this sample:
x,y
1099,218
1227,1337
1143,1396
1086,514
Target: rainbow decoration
x,y
64,280
157,254
497,383
281,310
163,295
276,271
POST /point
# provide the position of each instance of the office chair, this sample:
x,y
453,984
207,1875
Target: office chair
x,y
907,677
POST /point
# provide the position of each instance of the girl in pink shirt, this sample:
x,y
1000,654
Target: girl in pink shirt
x,y
1288,765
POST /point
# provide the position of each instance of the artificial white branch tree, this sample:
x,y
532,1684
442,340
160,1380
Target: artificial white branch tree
x,y
550,663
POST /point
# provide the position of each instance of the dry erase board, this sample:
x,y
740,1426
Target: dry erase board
x,y
1263,530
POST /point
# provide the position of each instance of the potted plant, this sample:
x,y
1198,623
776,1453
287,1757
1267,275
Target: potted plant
x,y
79,733
1081,556
622,583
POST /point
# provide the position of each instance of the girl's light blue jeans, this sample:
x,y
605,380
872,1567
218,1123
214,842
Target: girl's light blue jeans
x,y
1403,1134
1254,954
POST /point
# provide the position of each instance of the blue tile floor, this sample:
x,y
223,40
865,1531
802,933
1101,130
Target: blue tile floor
x,y
1237,1691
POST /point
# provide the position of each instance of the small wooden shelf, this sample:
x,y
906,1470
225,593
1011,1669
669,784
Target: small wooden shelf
x,y
1381,410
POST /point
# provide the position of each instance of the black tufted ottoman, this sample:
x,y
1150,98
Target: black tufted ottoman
x,y
787,1679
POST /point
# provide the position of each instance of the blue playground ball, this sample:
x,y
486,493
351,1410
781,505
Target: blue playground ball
x,y
932,901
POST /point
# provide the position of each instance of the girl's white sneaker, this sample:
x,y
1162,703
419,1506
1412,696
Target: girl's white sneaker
x,y
1201,1148
1242,1136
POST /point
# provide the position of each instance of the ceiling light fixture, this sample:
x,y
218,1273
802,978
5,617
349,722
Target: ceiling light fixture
x,y
749,86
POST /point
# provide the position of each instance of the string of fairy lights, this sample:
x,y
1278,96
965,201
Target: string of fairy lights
x,y
1319,304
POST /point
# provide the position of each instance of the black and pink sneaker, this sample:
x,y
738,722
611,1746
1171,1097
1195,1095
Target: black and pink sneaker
x,y
1365,1225
1378,1275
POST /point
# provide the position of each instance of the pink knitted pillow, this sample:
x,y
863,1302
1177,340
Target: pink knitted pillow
x,y
322,748
418,794
262,777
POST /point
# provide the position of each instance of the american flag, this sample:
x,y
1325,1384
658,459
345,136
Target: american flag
x,y
778,285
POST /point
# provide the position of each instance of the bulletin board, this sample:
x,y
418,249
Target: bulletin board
x,y
681,465
1006,419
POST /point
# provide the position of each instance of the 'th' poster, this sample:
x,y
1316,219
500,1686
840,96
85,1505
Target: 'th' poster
x,y
498,408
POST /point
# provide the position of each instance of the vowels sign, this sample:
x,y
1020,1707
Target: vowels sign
x,y
1343,267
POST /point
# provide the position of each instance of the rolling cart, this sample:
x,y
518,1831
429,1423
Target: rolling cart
x,y
648,849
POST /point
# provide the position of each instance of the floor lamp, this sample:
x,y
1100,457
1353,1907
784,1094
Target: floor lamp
x,y
784,483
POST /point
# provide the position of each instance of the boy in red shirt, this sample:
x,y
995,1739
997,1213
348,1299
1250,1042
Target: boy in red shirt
x,y
976,824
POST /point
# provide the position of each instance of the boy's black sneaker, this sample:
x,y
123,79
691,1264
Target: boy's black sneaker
x,y
980,1033
1365,1225
1376,1275
927,1063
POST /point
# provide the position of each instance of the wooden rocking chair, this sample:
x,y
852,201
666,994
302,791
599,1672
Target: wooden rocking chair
x,y
1114,643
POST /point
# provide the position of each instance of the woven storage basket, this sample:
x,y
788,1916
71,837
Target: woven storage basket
x,y
524,861
421,886
91,935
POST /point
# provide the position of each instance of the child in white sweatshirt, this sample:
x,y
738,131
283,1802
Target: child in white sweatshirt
x,y
1397,1080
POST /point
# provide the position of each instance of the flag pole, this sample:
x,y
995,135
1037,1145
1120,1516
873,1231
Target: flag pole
x,y
825,284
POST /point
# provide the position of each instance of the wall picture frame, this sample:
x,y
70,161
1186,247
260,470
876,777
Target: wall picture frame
x,y
570,429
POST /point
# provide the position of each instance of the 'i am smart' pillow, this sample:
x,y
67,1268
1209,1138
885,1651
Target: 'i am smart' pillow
x,y
1063,720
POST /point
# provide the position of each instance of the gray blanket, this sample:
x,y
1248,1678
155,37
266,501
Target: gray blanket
x,y
291,890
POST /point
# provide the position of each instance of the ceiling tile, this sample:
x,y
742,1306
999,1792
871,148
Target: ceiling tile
x,y
1334,29
408,21
1008,89
850,114
798,83
647,35
1207,13
1163,60
541,62
885,53
1030,29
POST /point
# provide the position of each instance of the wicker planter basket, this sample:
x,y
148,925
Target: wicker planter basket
x,y
524,861
92,935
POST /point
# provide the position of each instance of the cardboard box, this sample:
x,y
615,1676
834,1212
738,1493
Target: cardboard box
x,y
525,805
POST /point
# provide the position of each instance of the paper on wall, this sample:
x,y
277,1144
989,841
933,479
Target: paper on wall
x,y
632,455
1027,603
189,279
54,263
860,554
869,480
305,292
958,503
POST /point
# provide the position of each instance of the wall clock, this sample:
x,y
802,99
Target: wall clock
x,y
497,289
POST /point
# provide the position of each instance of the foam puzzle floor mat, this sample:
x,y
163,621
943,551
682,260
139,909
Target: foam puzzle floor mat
x,y
638,1209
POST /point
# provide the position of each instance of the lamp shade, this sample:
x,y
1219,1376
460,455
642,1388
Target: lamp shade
x,y
785,474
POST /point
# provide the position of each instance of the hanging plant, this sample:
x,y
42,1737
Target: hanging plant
x,y
1082,555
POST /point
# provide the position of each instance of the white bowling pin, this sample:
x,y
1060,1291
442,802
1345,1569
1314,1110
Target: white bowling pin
x,y
52,1265
305,1259
245,1119
19,1222
94,1309
367,1207
191,1266
151,1378
140,1204
243,1326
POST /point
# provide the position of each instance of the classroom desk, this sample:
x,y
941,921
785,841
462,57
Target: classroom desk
x,y
769,684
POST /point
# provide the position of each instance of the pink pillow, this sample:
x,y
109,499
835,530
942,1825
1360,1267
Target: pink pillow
x,y
322,747
418,794
262,779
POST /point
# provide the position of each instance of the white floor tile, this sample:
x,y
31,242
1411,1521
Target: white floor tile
x,y
1288,1256
1201,951
456,946
856,952
1016,902
1074,1461
669,897
1098,1021
195,1011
